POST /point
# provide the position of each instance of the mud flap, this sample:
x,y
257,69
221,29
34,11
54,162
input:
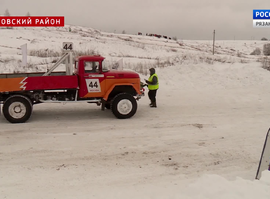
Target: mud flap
x,y
103,104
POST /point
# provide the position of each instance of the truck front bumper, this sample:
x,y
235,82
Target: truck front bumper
x,y
139,96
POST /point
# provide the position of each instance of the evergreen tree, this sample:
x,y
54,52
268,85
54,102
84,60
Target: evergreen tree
x,y
6,13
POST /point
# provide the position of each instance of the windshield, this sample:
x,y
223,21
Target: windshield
x,y
91,67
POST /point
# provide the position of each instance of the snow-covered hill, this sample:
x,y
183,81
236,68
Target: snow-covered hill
x,y
203,141
139,52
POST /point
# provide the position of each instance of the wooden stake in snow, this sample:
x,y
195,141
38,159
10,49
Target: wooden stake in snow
x,y
214,42
24,55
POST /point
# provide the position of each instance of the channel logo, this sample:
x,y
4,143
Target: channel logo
x,y
261,18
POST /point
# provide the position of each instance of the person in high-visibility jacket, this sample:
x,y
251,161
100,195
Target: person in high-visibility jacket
x,y
152,87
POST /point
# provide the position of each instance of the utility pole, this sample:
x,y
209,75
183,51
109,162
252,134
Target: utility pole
x,y
214,42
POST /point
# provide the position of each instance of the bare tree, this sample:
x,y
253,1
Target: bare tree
x,y
28,14
123,32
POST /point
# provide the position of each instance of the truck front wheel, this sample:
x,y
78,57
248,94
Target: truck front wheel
x,y
124,106
17,109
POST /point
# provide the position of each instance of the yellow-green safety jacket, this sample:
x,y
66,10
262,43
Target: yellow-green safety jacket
x,y
151,86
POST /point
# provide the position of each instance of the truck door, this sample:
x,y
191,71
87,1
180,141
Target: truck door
x,y
92,82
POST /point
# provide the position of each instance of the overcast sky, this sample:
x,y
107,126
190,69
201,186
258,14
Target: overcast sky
x,y
184,19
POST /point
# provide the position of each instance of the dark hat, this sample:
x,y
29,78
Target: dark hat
x,y
152,70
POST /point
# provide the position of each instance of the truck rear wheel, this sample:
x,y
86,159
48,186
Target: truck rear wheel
x,y
124,106
17,109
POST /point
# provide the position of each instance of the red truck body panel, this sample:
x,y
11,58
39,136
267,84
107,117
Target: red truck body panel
x,y
38,83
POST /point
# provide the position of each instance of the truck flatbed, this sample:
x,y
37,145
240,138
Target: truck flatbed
x,y
34,83
36,74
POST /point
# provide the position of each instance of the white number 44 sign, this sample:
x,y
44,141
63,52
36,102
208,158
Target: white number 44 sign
x,y
93,85
67,46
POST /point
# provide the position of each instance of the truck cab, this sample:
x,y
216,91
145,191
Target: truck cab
x,y
96,80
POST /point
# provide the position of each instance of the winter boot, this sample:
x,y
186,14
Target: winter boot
x,y
153,105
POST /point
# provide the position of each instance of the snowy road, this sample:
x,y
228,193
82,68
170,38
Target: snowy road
x,y
191,133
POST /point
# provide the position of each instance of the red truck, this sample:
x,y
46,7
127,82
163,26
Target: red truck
x,y
89,81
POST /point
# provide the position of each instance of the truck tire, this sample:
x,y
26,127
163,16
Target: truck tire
x,y
17,109
124,106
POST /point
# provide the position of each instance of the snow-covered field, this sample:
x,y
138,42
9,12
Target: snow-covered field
x,y
203,141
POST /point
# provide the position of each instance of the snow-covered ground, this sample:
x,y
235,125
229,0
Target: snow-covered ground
x,y
203,141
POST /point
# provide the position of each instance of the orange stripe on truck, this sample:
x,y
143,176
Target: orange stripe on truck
x,y
11,84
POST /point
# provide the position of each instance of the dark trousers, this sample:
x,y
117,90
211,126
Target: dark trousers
x,y
152,95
